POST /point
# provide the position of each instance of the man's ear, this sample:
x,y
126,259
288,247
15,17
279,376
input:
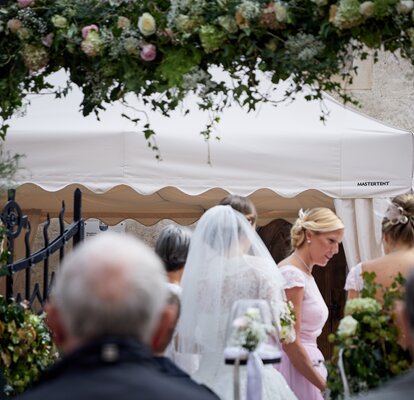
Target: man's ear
x,y
54,322
164,330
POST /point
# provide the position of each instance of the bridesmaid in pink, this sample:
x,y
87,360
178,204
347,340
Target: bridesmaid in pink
x,y
315,239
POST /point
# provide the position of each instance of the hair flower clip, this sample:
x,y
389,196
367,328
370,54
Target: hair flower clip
x,y
395,214
301,214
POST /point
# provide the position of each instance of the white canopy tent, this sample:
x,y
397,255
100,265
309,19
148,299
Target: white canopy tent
x,y
284,158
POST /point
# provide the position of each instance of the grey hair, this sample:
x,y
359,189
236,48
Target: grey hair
x,y
112,284
172,246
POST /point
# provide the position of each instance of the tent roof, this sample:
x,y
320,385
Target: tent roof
x,y
271,155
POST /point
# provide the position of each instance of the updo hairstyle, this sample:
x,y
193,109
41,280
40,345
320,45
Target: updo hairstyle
x,y
243,205
317,220
398,222
172,247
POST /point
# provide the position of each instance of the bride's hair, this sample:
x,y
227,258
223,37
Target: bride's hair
x,y
243,205
317,220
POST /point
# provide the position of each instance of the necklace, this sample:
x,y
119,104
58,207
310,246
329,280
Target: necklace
x,y
308,268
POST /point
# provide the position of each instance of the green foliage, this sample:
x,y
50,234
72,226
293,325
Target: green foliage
x,y
26,346
154,48
369,340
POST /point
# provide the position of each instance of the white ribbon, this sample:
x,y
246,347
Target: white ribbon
x,y
341,367
254,377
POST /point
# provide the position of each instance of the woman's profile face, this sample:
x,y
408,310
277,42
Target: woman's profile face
x,y
323,246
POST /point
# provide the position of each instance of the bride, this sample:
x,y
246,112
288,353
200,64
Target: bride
x,y
227,261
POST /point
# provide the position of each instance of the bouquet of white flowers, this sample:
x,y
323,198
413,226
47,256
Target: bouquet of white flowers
x,y
287,331
250,331
367,352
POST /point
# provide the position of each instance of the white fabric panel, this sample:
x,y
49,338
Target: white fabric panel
x,y
362,219
284,158
285,149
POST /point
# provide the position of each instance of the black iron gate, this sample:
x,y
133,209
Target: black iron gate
x,y
15,224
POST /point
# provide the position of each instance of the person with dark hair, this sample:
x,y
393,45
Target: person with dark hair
x,y
172,247
243,205
402,387
163,335
398,241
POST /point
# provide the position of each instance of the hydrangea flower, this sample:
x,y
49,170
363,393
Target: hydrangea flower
x,y
211,38
362,305
347,14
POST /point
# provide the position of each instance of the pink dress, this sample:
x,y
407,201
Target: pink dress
x,y
313,318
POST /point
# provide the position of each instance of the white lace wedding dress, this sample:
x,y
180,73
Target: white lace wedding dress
x,y
246,278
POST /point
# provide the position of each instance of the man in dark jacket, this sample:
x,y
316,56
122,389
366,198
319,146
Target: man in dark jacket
x,y
107,299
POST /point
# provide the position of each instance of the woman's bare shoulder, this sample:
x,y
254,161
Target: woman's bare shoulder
x,y
392,263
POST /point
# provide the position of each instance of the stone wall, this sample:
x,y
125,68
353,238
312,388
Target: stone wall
x,y
390,95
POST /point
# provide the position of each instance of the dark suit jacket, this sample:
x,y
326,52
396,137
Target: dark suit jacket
x,y
400,388
167,367
111,369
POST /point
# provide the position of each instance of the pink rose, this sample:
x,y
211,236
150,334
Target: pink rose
x,y
240,323
48,39
25,3
148,52
87,29
14,25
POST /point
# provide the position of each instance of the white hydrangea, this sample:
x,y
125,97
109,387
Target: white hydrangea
x,y
366,9
362,305
249,9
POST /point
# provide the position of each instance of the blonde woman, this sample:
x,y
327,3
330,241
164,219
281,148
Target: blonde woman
x,y
398,240
315,239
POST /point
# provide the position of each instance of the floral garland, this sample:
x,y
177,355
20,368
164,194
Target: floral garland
x,y
26,347
368,339
163,49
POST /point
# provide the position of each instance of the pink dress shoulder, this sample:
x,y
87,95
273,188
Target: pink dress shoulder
x,y
313,318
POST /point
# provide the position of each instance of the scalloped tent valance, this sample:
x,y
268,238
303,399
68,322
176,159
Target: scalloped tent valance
x,y
283,157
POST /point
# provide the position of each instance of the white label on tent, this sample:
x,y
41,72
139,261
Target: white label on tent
x,y
95,226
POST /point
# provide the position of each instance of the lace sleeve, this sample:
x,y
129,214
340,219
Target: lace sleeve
x,y
293,277
354,279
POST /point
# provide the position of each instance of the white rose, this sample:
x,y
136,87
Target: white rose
x,y
366,9
146,24
347,326
405,6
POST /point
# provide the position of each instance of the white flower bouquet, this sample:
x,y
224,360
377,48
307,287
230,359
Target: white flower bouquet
x,y
366,350
249,330
287,333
